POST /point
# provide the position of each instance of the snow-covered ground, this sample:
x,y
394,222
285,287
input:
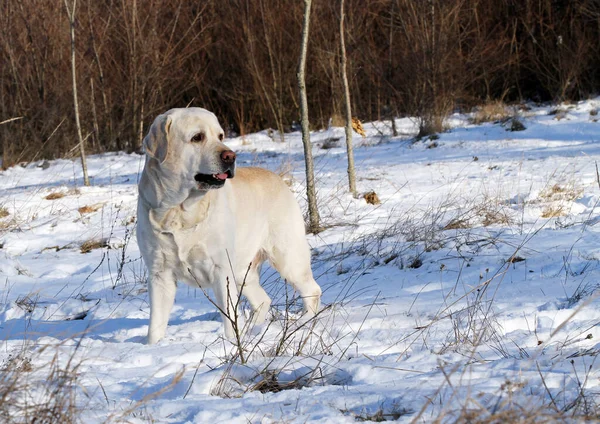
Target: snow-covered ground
x,y
471,287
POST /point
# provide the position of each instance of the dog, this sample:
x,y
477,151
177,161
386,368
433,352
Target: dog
x,y
204,222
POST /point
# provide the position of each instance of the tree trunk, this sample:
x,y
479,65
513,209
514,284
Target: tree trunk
x,y
313,212
349,148
71,15
391,71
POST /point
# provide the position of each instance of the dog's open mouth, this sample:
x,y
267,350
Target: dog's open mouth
x,y
215,180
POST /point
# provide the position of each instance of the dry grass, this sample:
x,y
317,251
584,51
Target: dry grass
x,y
558,196
8,225
457,224
559,192
487,213
16,363
285,171
89,245
494,215
290,353
371,198
553,211
279,358
59,194
34,391
491,112
270,383
89,209
357,127
515,259
55,195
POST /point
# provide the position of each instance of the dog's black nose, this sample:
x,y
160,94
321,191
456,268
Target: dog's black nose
x,y
228,156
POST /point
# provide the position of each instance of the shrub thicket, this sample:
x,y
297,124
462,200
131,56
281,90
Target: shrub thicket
x,y
238,58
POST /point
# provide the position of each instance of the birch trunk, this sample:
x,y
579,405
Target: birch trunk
x,y
71,15
313,212
349,149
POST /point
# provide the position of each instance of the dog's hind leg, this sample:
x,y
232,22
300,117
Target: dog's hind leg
x,y
161,288
294,267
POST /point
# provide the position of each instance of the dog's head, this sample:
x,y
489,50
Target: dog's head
x,y
188,144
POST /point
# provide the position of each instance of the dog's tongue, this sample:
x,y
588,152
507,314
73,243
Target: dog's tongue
x,y
222,176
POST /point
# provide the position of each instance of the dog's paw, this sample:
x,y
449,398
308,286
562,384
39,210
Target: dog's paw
x,y
258,328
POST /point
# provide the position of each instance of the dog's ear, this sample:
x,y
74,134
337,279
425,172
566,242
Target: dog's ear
x,y
156,142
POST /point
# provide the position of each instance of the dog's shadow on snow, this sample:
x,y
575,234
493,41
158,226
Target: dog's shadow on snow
x,y
115,330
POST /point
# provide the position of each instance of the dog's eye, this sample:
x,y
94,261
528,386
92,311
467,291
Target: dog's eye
x,y
197,138
221,137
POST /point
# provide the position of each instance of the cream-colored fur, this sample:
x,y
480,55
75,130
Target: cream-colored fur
x,y
208,235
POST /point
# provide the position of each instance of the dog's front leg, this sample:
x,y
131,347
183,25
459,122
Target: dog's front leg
x,y
162,290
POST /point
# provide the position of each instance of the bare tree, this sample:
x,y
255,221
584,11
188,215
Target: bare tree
x,y
348,117
313,212
71,15
390,70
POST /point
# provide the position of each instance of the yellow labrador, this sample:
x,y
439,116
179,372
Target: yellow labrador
x,y
204,222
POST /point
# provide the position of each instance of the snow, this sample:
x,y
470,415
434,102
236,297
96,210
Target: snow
x,y
473,285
